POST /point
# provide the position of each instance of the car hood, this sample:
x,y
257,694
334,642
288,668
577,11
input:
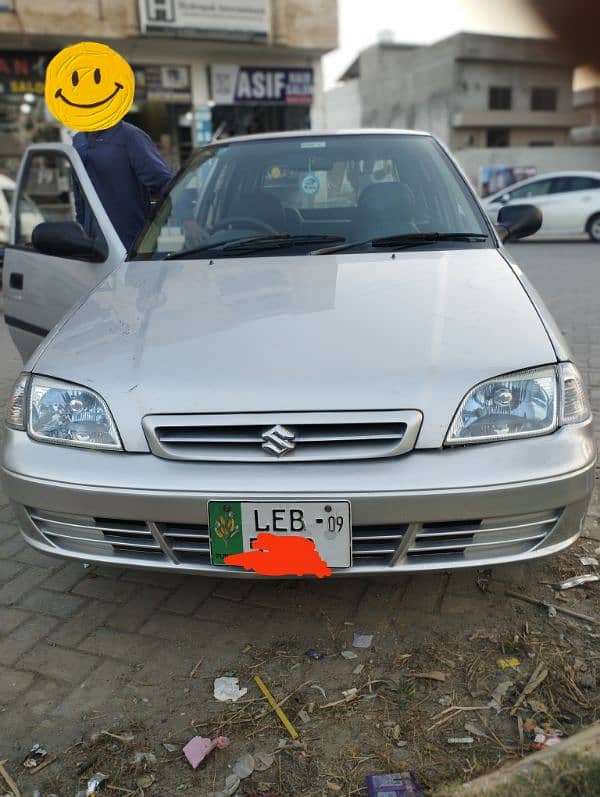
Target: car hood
x,y
414,330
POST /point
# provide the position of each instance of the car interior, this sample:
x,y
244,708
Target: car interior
x,y
270,188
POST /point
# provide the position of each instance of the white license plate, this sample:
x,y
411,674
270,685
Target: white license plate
x,y
233,525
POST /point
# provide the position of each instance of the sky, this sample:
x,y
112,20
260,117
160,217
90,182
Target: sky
x,y
423,22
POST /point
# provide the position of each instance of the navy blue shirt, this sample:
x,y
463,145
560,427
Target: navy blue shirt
x,y
124,167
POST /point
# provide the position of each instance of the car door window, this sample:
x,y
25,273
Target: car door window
x,y
537,188
52,193
564,184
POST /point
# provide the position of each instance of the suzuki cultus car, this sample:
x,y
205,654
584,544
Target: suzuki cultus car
x,y
317,335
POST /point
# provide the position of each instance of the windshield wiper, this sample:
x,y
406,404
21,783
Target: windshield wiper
x,y
256,242
405,241
279,242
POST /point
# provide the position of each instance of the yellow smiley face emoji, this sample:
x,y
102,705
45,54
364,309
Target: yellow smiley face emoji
x,y
89,86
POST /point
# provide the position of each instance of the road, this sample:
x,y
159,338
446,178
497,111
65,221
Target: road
x,y
105,649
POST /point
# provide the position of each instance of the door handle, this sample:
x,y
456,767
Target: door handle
x,y
16,281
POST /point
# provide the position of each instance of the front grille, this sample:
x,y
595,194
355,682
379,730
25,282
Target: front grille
x,y
299,436
371,545
188,542
462,540
376,545
433,545
129,539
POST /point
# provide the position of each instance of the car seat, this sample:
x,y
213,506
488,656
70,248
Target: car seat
x,y
262,206
385,209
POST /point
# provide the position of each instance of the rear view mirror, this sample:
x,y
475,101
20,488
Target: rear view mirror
x,y
67,239
321,163
518,221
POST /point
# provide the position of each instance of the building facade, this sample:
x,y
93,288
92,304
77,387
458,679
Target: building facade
x,y
587,101
202,69
470,90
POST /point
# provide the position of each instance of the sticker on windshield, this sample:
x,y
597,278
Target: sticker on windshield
x,y
310,184
313,144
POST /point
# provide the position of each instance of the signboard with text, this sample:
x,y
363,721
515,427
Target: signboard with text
x,y
23,73
164,83
203,120
261,85
220,18
495,178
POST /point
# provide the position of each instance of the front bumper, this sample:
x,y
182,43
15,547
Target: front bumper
x,y
428,510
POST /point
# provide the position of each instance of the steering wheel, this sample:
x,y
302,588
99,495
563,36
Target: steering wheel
x,y
244,221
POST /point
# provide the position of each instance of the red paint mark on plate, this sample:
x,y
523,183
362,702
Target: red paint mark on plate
x,y
274,555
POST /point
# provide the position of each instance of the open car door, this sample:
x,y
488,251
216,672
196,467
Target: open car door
x,y
39,288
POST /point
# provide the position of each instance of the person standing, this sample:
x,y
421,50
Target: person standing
x,y
124,167
89,88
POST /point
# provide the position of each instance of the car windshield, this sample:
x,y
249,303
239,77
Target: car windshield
x,y
300,194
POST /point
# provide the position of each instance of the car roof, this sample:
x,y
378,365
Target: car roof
x,y
570,173
320,134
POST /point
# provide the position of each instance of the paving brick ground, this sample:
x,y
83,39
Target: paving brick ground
x,y
82,648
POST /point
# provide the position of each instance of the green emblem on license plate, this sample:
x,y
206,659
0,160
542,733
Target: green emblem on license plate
x,y
225,529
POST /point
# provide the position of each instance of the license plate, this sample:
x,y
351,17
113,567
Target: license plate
x,y
233,525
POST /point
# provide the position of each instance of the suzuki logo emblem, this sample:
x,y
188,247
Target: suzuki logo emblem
x,y
278,441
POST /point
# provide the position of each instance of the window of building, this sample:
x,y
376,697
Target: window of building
x,y
541,143
543,99
500,98
498,137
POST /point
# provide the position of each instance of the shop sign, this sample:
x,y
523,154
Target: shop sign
x,y
495,178
23,73
200,17
203,120
234,85
163,83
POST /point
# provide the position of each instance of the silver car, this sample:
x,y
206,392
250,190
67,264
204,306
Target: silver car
x,y
315,335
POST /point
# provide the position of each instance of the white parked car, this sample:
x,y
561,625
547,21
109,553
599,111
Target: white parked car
x,y
569,201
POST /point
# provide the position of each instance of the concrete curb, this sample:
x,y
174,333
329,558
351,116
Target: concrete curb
x,y
586,742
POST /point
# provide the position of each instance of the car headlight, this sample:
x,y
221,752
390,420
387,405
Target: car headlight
x,y
522,404
14,414
574,405
60,412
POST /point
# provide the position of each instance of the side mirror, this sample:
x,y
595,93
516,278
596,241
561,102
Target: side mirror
x,y
518,221
67,239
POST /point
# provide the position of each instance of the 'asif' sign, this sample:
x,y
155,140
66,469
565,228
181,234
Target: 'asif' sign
x,y
22,73
235,85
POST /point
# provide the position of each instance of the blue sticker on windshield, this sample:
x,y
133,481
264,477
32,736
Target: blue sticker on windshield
x,y
310,184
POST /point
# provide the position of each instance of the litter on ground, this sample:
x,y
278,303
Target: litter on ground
x,y
362,641
505,663
403,784
199,747
577,581
227,689
35,756
315,654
